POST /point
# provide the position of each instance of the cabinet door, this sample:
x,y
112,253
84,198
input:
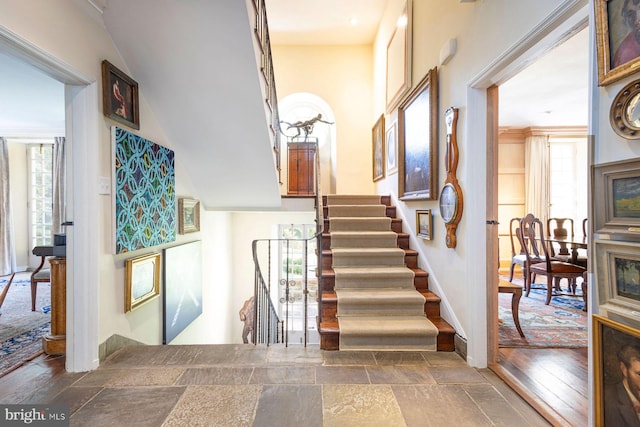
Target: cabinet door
x,y
301,168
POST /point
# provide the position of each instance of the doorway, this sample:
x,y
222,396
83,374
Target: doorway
x,y
81,130
531,48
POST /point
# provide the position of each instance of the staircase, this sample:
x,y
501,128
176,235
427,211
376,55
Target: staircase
x,y
373,296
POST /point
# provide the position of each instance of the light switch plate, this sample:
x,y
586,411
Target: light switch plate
x,y
104,185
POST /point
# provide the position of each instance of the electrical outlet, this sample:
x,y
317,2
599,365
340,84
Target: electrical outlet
x,y
104,185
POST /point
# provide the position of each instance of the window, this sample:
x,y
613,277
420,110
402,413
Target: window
x,y
40,158
292,271
568,180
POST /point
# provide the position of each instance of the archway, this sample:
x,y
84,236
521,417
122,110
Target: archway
x,y
303,106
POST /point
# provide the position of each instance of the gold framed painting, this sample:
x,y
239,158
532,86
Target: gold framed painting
x,y
378,136
142,280
616,356
120,98
617,39
424,224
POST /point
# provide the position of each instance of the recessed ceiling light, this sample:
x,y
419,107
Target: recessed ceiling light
x,y
402,21
354,21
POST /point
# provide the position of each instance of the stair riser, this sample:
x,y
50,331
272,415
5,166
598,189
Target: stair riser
x,y
390,211
385,200
402,242
411,261
327,283
329,310
396,225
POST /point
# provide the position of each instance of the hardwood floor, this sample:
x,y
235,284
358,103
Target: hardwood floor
x,y
555,376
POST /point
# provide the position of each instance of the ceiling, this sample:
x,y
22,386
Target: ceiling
x,y
188,86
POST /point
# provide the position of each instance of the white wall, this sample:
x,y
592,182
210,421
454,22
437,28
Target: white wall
x,y
341,76
484,31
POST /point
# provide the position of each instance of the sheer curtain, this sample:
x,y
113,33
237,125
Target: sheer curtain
x,y
7,244
59,184
537,176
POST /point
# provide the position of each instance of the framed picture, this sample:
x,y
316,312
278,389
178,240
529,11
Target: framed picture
x,y
418,141
616,39
189,215
617,197
120,96
424,224
616,358
617,269
143,196
398,81
378,149
391,142
182,293
142,280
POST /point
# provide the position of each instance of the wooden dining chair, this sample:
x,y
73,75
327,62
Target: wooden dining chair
x,y
553,269
518,257
560,227
522,236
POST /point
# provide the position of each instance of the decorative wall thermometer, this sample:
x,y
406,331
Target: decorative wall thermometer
x,y
451,200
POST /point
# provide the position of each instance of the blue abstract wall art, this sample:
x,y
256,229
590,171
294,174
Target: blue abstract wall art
x,y
144,192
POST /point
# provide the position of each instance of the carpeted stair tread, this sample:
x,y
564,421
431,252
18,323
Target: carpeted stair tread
x,y
374,277
398,333
371,257
380,302
345,199
364,239
336,211
360,224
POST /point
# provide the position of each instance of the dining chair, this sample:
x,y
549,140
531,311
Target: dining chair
x,y
553,269
556,228
522,236
518,257
39,275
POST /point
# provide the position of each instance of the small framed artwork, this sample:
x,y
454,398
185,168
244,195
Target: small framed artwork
x,y
617,35
142,280
616,359
398,78
120,96
418,141
189,215
617,194
378,149
617,270
424,224
391,141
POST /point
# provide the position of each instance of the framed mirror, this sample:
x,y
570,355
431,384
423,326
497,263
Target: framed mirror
x,y
625,111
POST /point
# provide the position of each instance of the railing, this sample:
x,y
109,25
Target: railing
x,y
261,32
269,328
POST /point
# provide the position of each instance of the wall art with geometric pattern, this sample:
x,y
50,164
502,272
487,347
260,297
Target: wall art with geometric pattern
x,y
143,192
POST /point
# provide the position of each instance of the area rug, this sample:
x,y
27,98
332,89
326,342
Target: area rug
x,y
561,324
21,330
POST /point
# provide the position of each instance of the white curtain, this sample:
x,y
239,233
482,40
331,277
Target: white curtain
x,y
59,184
7,244
537,172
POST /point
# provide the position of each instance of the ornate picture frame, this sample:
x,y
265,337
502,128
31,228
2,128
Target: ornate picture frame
x,y
618,53
614,345
424,224
142,280
625,111
418,141
616,189
188,215
120,96
398,76
378,136
617,270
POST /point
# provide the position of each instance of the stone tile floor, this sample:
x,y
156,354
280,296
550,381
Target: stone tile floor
x,y
245,385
